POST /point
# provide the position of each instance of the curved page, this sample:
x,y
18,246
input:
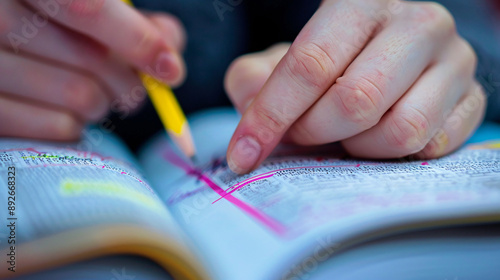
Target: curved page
x,y
302,202
68,203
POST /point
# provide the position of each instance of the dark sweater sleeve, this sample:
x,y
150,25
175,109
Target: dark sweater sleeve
x,y
477,22
488,74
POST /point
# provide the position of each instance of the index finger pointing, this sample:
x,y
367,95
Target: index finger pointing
x,y
120,28
315,60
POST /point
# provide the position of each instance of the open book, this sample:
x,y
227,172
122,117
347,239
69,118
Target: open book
x,y
91,210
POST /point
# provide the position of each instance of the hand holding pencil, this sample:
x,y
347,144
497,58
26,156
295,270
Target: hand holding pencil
x,y
83,60
169,111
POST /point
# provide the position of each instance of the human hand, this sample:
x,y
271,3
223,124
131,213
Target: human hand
x,y
65,63
386,78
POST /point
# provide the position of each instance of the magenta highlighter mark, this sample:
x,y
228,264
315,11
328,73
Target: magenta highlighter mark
x,y
266,220
272,224
242,184
273,172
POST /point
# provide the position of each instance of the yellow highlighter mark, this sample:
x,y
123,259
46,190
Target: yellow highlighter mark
x,y
111,189
493,145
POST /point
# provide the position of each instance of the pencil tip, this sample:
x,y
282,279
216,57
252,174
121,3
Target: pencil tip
x,y
193,160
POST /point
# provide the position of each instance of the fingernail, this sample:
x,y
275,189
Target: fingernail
x,y
165,65
244,155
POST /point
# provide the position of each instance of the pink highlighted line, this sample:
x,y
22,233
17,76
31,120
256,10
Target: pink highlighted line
x,y
263,218
242,184
273,172
266,220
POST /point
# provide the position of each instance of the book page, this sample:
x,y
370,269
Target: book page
x,y
70,201
106,268
260,225
470,252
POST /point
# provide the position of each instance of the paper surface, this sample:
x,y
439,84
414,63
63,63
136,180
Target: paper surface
x,y
450,253
60,188
256,224
84,200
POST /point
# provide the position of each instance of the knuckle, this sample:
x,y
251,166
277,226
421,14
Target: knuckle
x,y
149,46
408,132
311,64
269,122
359,101
435,16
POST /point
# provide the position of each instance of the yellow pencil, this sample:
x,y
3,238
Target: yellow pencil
x,y
169,111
